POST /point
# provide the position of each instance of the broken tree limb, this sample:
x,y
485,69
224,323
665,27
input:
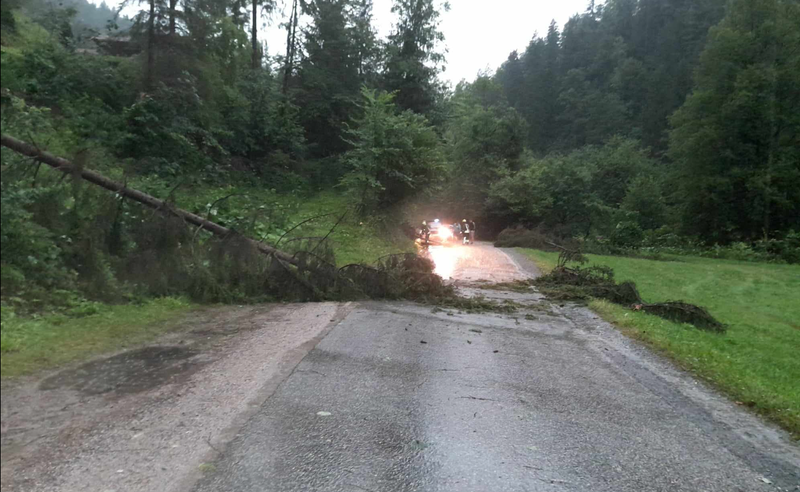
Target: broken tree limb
x,y
150,201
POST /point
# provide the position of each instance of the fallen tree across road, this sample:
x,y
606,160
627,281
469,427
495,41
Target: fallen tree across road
x,y
150,201
309,272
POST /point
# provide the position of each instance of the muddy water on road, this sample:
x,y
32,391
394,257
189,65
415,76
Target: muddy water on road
x,y
129,372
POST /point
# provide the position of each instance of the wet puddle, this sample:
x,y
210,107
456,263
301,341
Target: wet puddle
x,y
125,373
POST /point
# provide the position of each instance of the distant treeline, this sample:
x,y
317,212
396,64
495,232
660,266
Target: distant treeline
x,y
707,94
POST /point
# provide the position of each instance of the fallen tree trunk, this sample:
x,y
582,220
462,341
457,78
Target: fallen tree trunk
x,y
150,201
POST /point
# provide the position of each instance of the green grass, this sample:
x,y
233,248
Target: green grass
x,y
30,345
756,362
354,240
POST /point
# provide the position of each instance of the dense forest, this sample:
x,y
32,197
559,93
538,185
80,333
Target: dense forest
x,y
639,123
708,93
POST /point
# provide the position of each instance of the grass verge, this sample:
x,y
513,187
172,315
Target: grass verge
x,y
756,361
30,345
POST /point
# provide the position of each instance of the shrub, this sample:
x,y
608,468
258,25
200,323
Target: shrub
x,y
665,236
169,131
31,260
787,248
627,235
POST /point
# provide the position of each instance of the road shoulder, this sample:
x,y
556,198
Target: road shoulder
x,y
156,419
522,262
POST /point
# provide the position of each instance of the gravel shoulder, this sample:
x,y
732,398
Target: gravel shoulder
x,y
153,418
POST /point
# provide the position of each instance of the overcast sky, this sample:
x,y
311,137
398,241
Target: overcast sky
x,y
479,34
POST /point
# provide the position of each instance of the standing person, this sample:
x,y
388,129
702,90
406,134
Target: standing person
x,y
425,232
464,231
471,231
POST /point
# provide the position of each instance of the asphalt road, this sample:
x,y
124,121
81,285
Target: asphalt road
x,y
400,397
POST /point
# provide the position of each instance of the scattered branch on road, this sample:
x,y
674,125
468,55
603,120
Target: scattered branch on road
x,y
475,304
475,398
358,486
311,372
208,441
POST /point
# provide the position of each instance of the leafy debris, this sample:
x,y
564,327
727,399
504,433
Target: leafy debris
x,y
579,283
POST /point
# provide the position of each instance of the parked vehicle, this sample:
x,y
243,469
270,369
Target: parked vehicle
x,y
441,234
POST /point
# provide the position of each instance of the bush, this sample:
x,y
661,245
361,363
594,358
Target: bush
x,y
771,251
168,130
665,236
589,190
787,249
32,264
644,198
627,235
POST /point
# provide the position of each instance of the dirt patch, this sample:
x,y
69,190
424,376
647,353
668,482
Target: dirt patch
x,y
128,372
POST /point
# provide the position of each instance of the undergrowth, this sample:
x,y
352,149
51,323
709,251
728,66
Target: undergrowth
x,y
660,244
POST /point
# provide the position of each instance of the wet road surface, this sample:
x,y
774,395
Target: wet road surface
x,y
476,263
400,397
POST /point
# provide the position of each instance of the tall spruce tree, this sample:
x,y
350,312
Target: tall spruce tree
x,y
337,46
413,57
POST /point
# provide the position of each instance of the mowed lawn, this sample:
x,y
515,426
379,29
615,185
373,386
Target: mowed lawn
x,y
757,361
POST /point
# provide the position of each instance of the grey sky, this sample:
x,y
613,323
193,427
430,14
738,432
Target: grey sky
x,y
479,34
